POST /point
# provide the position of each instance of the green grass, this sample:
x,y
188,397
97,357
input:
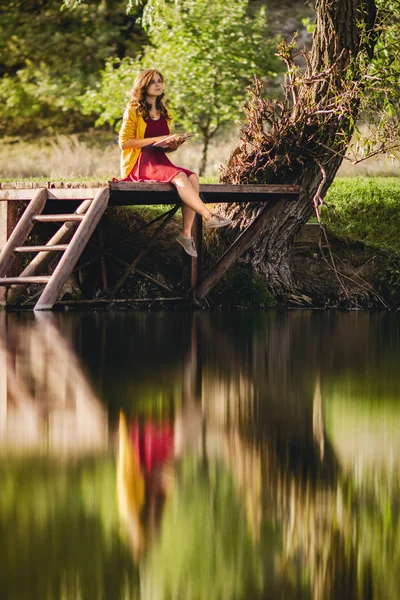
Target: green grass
x,y
365,209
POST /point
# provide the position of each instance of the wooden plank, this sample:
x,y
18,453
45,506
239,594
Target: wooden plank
x,y
19,280
54,248
74,250
57,218
243,242
282,189
53,194
42,260
22,230
134,194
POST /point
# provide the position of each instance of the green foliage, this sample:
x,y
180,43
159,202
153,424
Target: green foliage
x,y
208,52
49,57
205,549
246,289
61,533
379,95
365,210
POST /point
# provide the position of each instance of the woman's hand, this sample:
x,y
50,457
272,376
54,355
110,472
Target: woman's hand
x,y
172,145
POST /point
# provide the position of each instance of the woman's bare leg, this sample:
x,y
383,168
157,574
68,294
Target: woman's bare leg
x,y
188,213
190,196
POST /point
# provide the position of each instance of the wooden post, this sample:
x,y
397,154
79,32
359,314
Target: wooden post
x,y
8,219
21,230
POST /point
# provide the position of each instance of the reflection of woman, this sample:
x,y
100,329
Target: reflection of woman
x,y
145,451
148,452
147,121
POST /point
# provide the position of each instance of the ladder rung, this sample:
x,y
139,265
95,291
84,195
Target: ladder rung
x,y
55,248
57,218
16,280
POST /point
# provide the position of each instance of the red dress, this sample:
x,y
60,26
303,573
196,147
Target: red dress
x,y
154,443
153,164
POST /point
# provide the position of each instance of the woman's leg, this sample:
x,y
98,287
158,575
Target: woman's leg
x,y
188,214
190,196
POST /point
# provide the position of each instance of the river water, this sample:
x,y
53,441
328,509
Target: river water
x,y
200,456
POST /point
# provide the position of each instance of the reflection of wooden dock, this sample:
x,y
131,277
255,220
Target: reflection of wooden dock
x,y
46,401
74,234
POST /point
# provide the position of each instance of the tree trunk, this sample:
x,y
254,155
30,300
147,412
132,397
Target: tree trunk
x,y
309,149
203,164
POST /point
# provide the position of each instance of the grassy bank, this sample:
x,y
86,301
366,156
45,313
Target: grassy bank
x,y
366,210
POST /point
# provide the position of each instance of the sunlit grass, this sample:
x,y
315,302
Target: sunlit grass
x,y
365,209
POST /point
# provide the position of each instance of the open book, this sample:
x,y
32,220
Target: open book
x,y
175,136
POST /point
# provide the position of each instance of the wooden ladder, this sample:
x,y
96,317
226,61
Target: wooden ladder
x,y
80,224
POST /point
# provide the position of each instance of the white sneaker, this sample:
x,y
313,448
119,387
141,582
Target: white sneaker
x,y
217,221
188,245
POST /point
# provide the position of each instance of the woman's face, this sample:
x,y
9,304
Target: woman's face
x,y
156,86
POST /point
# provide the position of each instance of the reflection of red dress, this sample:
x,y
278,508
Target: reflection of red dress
x,y
154,444
153,164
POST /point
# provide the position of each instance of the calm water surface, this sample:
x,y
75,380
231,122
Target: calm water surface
x,y
200,456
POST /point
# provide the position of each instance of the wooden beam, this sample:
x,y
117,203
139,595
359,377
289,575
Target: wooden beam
x,y
130,193
45,248
22,230
282,189
25,280
125,193
53,194
75,248
243,243
57,218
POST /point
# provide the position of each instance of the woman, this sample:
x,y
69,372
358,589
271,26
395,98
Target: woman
x,y
146,121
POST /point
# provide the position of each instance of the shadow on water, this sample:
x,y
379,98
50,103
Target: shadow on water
x,y
199,456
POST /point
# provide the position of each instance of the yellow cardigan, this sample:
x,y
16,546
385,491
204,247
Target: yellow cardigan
x,y
133,126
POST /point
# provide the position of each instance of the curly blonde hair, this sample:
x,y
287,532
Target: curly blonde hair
x,y
138,94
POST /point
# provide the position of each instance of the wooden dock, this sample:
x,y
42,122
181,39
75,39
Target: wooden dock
x,y
88,204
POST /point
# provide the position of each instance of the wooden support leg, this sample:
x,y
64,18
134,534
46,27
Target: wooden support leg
x,y
9,214
243,242
103,264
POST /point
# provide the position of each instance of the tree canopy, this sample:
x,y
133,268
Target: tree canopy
x,y
49,57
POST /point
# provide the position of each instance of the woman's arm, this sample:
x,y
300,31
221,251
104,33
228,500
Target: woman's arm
x,y
136,143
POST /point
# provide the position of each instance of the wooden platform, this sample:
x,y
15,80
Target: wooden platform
x,y
131,194
124,194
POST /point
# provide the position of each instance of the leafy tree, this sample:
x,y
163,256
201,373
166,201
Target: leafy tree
x,y
49,56
208,51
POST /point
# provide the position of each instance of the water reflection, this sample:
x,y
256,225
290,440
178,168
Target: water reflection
x,y
196,456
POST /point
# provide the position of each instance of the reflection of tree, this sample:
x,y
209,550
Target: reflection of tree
x,y
269,408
